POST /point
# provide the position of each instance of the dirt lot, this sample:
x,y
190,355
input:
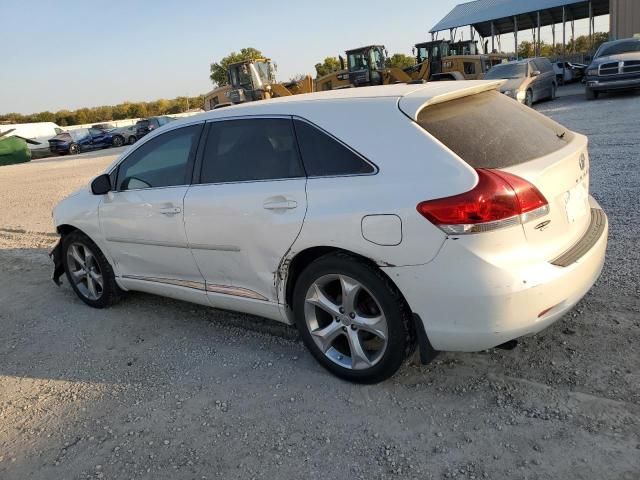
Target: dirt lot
x,y
160,389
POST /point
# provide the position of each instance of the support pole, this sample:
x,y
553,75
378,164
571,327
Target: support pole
x,y
539,47
573,36
515,33
590,26
493,33
564,32
553,37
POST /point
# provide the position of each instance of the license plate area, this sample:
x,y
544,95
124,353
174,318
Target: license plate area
x,y
576,202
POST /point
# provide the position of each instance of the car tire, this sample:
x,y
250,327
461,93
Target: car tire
x,y
88,271
528,98
117,141
363,337
590,94
131,140
74,149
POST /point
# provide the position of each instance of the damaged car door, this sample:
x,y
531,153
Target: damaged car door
x,y
245,208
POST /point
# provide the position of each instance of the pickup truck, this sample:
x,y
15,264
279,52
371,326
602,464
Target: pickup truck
x,y
615,66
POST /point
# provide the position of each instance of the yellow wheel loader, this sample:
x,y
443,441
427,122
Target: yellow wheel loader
x,y
446,60
252,80
365,66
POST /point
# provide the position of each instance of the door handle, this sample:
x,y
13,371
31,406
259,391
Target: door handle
x,y
170,210
280,204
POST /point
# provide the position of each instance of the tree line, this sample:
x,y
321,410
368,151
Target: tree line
x,y
107,113
218,75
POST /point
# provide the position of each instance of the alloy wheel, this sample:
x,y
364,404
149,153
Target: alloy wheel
x,y
346,321
85,271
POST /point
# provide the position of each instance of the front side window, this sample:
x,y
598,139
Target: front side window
x,y
163,161
250,150
95,132
324,156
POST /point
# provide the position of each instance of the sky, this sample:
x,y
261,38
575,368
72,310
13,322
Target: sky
x,y
72,54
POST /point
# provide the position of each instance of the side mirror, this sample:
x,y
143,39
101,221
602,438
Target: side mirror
x,y
101,184
535,73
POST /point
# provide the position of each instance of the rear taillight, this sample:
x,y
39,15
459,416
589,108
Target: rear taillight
x,y
499,200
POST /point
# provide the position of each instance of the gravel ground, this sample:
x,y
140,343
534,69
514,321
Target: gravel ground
x,y
159,389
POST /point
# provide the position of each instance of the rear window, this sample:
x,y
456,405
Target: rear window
x,y
491,130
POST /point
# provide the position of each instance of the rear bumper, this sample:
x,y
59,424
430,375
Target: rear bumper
x,y
613,84
468,304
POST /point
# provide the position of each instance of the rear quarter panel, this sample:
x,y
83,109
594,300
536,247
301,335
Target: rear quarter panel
x,y
412,167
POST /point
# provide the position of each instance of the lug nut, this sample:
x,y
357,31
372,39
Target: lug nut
x,y
352,315
337,319
344,329
353,327
341,310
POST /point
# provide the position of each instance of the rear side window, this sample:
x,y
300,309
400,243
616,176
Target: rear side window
x,y
324,156
490,130
251,150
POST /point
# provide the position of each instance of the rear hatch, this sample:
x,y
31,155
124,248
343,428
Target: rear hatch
x,y
490,131
59,141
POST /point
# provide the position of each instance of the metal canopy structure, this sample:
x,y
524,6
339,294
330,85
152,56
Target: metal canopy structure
x,y
490,18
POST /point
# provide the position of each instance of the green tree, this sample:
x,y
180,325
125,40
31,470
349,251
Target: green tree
x,y
525,49
400,60
329,65
219,70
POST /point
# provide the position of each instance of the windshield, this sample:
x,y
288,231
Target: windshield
x,y
358,61
616,48
240,75
509,70
264,71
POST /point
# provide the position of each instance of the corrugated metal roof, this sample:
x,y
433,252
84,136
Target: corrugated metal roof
x,y
481,11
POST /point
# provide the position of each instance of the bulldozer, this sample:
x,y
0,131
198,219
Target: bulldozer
x,y
251,80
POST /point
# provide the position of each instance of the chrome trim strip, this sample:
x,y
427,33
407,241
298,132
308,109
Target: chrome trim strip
x,y
235,291
221,289
195,246
222,248
168,281
147,242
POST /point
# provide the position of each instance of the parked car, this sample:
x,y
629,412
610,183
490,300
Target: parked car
x,y
444,215
149,124
124,135
615,66
528,81
103,126
80,140
567,72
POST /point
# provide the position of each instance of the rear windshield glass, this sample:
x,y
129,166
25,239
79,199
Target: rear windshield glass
x,y
491,130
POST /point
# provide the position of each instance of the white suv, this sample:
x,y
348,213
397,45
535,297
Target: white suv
x,y
375,219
